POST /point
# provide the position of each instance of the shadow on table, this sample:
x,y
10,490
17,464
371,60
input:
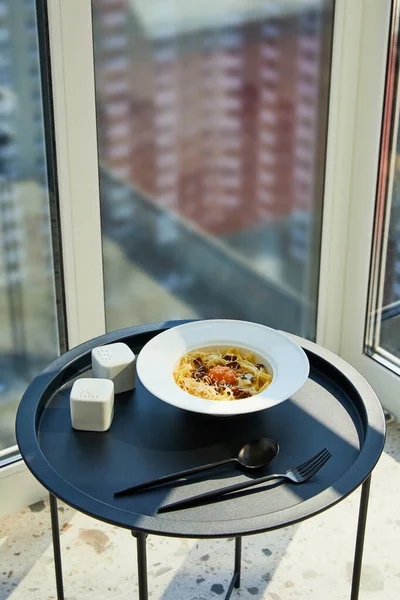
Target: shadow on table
x,y
149,438
265,551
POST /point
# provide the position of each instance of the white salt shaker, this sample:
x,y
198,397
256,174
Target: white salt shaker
x,y
116,362
92,404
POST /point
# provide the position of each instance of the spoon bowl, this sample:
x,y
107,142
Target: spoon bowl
x,y
258,453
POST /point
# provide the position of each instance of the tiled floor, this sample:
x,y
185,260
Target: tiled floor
x,y
310,561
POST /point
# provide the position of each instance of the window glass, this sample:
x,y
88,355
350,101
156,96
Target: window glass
x,y
212,125
28,323
382,333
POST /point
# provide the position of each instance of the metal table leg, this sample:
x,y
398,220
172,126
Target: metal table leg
x,y
56,547
235,581
362,519
142,564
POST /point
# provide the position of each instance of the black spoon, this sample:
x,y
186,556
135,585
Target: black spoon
x,y
254,455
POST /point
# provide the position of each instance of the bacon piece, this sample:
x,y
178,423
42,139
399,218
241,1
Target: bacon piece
x,y
234,365
200,373
240,394
197,362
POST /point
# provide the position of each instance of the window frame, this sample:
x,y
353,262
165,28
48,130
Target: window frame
x,y
71,46
374,48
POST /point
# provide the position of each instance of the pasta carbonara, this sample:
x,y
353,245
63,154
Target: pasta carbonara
x,y
221,374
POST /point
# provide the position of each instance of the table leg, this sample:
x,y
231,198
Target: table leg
x,y
56,547
142,564
238,559
362,519
235,581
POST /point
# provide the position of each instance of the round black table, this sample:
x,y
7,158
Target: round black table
x,y
335,409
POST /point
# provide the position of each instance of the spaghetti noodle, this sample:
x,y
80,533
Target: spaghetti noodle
x,y
221,374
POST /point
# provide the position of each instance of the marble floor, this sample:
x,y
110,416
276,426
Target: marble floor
x,y
310,561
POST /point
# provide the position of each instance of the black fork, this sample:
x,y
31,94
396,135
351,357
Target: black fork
x,y
307,469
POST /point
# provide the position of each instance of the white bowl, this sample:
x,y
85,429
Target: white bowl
x,y
285,359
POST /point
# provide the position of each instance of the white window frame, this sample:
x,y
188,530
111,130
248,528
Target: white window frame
x,y
368,126
71,43
351,18
360,38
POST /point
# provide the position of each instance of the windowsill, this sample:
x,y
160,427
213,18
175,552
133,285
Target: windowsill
x,y
18,488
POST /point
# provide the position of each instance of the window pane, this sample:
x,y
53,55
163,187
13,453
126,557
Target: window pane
x,y
212,133
28,325
383,324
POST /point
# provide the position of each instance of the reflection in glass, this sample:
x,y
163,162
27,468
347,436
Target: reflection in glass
x,y
28,327
382,340
212,132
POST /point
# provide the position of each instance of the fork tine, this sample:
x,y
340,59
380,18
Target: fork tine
x,y
314,462
316,467
310,460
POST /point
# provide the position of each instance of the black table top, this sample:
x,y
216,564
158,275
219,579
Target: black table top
x,y
336,409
